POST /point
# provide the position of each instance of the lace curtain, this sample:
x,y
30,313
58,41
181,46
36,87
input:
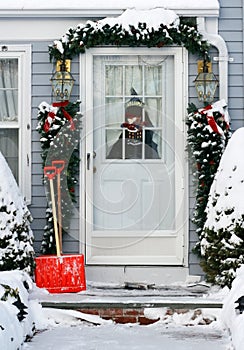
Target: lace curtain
x,y
9,112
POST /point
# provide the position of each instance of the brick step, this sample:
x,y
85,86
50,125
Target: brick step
x,y
134,312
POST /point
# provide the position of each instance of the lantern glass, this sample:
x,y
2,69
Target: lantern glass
x,y
206,85
62,84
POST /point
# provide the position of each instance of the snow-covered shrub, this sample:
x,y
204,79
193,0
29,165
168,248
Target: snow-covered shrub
x,y
16,237
17,313
222,239
230,316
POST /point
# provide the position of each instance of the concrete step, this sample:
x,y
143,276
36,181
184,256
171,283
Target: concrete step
x,y
172,304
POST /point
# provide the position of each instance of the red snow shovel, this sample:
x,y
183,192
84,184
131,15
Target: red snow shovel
x,y
59,165
50,172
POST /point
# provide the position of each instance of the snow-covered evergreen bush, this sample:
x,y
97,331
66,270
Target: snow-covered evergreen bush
x,y
222,239
16,237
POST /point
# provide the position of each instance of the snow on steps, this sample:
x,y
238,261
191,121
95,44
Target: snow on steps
x,y
141,305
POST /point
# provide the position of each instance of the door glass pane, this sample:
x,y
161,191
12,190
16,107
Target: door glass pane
x,y
154,109
114,110
153,80
112,136
9,148
114,75
134,102
9,89
133,78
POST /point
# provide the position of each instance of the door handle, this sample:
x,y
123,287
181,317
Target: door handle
x,y
88,160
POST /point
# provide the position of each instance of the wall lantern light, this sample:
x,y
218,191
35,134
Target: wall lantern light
x,y
205,82
62,81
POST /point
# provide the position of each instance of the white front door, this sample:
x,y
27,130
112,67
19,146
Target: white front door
x,y
134,132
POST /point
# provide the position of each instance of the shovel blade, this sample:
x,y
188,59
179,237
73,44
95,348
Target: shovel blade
x,y
50,172
59,164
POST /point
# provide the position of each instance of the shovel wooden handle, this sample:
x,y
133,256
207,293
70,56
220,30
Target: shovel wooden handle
x,y
50,172
55,220
59,164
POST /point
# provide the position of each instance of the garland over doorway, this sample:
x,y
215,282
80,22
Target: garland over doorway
x,y
134,28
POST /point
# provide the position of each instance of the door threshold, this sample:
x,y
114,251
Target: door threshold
x,y
143,275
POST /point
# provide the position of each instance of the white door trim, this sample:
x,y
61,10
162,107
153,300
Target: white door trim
x,y
87,105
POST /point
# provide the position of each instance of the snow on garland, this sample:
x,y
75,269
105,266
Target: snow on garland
x,y
208,134
16,236
59,128
152,28
222,239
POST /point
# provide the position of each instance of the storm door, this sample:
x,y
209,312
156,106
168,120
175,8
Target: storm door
x,y
135,212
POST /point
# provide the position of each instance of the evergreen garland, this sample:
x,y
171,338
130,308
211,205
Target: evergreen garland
x,y
59,142
77,40
206,147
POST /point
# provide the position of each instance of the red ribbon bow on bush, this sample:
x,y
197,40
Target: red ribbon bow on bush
x,y
208,112
52,115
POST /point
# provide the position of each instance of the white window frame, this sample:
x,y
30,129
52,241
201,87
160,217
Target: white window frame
x,y
23,54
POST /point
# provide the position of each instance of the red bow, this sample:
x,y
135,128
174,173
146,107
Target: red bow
x,y
52,115
210,119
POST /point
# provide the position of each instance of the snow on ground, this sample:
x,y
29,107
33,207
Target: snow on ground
x,y
128,336
232,318
72,330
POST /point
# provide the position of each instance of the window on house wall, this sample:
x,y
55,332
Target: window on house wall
x,y
15,137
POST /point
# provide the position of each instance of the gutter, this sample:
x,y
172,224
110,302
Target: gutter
x,y
217,41
93,12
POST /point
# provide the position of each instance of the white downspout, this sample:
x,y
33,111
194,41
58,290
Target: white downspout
x,y
217,41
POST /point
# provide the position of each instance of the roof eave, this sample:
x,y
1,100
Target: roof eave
x,y
91,13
